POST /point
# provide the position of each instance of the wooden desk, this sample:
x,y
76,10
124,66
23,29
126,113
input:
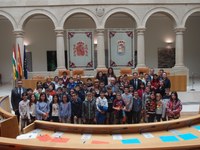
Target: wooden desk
x,y
102,136
178,82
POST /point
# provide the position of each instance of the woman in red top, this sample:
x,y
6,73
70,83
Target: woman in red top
x,y
174,107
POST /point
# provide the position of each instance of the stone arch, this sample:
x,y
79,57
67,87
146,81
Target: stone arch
x,y
35,12
10,18
167,11
75,11
187,15
122,10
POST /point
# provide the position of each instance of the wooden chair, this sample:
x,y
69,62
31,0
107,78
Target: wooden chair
x,y
38,77
126,70
144,70
78,72
104,70
60,72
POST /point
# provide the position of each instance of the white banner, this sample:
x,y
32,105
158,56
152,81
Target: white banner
x,y
121,48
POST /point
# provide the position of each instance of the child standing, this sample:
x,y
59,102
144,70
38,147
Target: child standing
x,y
137,107
159,107
65,109
102,107
118,106
42,108
151,107
32,107
54,109
89,109
24,111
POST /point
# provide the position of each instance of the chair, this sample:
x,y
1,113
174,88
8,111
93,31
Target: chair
x,y
78,72
60,72
126,70
144,70
104,70
38,77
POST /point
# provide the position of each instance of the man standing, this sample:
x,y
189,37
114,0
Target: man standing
x,y
135,82
16,94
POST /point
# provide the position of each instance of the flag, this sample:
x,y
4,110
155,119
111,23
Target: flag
x,y
19,63
15,72
25,64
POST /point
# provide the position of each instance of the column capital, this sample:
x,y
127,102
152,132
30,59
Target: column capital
x,y
18,33
100,30
140,30
179,29
59,32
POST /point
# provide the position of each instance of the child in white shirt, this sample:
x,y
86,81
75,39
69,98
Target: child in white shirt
x,y
24,110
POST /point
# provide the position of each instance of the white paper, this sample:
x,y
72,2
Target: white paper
x,y
36,131
86,137
57,134
147,135
174,131
27,136
117,137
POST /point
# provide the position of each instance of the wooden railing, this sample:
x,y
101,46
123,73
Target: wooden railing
x,y
8,125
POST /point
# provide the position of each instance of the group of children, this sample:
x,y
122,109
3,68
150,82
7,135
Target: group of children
x,y
104,101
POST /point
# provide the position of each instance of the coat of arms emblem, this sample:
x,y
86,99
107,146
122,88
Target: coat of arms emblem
x,y
80,49
121,47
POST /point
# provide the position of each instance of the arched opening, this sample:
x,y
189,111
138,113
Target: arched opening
x,y
81,23
160,41
116,22
7,41
40,39
192,45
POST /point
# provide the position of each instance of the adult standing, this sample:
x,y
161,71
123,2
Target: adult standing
x,y
16,94
135,82
174,107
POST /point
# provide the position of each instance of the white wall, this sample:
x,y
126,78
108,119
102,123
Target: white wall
x,y
158,29
6,42
192,45
41,37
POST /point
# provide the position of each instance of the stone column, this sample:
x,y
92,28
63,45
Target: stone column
x,y
100,49
179,47
140,48
60,48
19,39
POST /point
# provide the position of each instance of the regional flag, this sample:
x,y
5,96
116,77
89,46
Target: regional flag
x,y
19,63
15,72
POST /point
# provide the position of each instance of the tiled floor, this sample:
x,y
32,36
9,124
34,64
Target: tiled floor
x,y
190,99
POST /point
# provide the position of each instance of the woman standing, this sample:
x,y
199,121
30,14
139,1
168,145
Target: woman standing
x,y
174,107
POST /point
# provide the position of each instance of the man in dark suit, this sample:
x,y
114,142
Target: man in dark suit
x,y
135,82
16,97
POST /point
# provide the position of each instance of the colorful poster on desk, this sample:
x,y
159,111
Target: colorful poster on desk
x,y
121,48
80,49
